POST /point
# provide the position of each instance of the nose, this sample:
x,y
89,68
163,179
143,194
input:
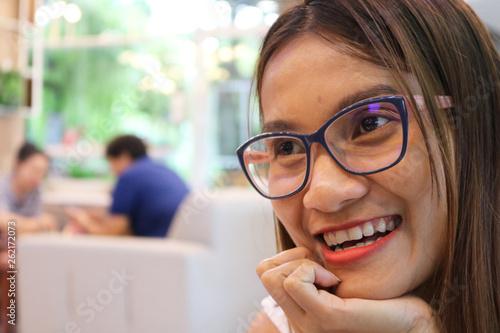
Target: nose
x,y
330,187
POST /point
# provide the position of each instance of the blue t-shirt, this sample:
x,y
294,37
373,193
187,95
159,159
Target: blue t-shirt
x,y
149,194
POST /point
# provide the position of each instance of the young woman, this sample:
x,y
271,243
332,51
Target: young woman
x,y
381,154
20,197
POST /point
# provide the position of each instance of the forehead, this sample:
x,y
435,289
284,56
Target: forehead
x,y
306,79
36,161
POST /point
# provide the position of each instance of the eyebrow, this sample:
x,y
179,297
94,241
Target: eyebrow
x,y
348,100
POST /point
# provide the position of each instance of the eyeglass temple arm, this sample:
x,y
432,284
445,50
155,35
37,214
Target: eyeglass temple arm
x,y
444,102
255,157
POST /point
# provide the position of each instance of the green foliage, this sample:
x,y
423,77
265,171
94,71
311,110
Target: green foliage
x,y
104,90
77,171
11,89
86,85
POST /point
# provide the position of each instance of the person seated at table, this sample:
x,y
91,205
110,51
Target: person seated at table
x,y
20,195
145,198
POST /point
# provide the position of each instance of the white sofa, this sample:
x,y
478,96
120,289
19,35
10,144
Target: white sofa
x,y
200,279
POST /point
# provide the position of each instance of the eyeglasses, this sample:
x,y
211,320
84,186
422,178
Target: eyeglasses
x,y
365,138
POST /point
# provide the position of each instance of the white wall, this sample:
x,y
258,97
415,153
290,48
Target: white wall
x,y
488,11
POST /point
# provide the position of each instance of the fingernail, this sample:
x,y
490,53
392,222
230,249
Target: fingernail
x,y
335,276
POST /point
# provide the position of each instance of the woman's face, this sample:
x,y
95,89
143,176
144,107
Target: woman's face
x,y
31,172
302,86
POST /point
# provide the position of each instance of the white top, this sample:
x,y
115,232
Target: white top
x,y
276,315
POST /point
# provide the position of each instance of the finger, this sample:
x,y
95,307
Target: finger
x,y
275,281
74,210
302,286
311,274
364,316
283,257
73,214
400,314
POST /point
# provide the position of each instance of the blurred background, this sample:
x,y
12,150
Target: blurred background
x,y
177,74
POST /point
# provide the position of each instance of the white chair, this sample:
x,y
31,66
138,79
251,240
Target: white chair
x,y
200,279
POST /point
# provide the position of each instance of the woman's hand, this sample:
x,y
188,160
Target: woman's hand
x,y
78,220
296,281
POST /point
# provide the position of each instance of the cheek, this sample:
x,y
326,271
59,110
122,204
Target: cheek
x,y
411,178
24,173
412,175
426,212
38,175
113,167
289,211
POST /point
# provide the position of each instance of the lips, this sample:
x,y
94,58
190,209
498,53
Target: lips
x,y
359,240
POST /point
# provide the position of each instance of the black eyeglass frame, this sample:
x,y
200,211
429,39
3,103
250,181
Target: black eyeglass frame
x,y
319,137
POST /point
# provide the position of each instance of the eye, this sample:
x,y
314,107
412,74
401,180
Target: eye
x,y
288,147
372,123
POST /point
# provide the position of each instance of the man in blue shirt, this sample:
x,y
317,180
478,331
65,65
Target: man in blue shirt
x,y
145,198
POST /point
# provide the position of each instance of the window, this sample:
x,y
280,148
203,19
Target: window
x,y
176,73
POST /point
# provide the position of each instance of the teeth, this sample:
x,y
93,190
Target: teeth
x,y
330,238
368,229
342,236
355,233
381,226
391,226
360,244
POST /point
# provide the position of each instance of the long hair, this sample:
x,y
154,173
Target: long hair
x,y
444,45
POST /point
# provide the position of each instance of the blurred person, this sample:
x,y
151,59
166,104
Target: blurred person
x,y
145,198
20,195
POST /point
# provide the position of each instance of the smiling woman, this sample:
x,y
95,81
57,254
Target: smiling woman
x,y
380,156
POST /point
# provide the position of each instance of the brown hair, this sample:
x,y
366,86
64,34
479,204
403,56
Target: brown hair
x,y
446,48
28,150
129,144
